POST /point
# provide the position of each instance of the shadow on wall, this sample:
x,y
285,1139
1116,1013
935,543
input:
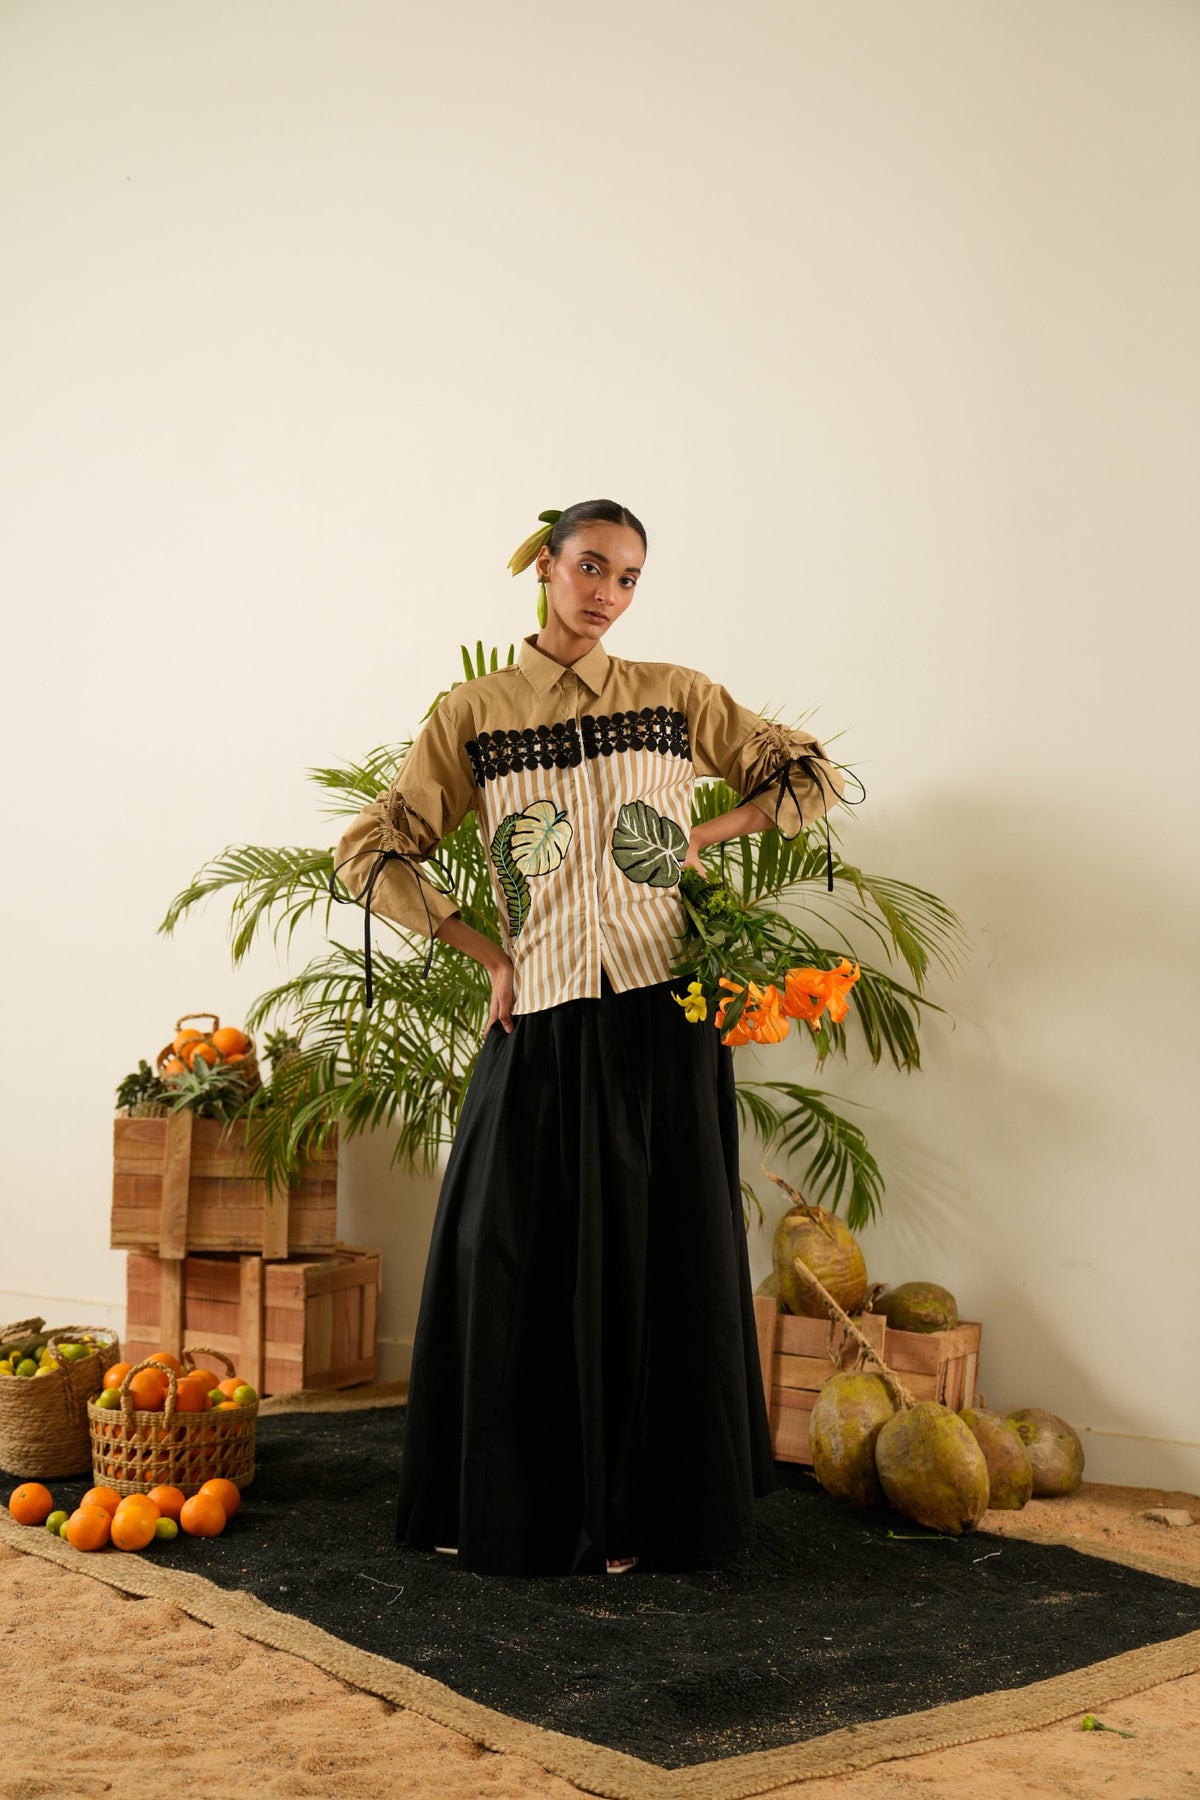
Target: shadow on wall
x,y
381,1206
1047,1134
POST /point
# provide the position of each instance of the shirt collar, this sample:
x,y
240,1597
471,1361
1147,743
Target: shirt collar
x,y
542,672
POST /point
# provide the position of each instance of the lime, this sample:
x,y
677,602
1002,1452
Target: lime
x,y
47,1369
62,1530
57,1520
108,1398
245,1395
27,1366
165,1528
216,1396
73,1352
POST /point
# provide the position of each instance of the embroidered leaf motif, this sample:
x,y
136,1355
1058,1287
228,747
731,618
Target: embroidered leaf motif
x,y
648,847
512,880
541,836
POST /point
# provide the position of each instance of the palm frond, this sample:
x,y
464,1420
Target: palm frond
x,y
288,883
354,785
838,1164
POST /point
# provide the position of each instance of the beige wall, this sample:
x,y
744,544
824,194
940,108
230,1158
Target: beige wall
x,y
882,317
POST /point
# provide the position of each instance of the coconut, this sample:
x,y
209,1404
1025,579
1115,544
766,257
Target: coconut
x,y
1054,1450
1010,1472
843,1426
932,1469
768,1286
825,1245
918,1306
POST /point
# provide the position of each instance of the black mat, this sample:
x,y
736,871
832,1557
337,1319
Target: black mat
x,y
834,1619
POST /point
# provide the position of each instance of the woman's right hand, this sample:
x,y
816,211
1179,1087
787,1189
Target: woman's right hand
x,y
502,995
456,932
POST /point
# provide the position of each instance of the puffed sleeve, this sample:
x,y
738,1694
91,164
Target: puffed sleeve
x,y
431,793
784,770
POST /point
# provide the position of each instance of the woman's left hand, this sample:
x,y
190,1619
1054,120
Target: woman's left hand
x,y
692,859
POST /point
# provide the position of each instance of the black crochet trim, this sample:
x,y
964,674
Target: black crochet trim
x,y
653,728
495,753
565,744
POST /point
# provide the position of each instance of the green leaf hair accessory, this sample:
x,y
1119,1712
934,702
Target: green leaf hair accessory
x,y
525,553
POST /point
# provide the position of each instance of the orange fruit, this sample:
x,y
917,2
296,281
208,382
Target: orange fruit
x,y
226,1492
106,1497
205,1052
31,1503
231,1062
187,1036
114,1376
169,1501
148,1390
190,1397
172,1066
133,1526
202,1516
141,1504
230,1042
229,1384
227,1406
88,1528
166,1359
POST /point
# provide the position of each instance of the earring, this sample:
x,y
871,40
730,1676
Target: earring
x,y
542,609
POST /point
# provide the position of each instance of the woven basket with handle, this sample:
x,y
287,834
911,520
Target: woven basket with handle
x,y
43,1419
134,1451
246,1062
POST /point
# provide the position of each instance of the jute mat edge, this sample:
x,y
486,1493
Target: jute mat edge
x,y
592,1767
612,1773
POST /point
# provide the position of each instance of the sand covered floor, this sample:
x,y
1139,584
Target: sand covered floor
x,y
108,1694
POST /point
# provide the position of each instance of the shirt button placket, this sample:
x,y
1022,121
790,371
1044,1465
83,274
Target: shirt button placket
x,y
587,825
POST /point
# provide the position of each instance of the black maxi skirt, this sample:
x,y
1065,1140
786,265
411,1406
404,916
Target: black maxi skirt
x,y
585,1379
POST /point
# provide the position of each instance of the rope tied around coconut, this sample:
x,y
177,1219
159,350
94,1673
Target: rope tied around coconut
x,y
895,1386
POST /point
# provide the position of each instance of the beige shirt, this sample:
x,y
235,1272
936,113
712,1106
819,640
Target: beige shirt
x,y
581,780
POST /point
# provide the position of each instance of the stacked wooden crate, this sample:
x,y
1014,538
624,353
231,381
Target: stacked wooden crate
x,y
797,1357
213,1259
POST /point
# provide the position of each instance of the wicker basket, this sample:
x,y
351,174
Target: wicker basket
x,y
44,1423
134,1451
246,1064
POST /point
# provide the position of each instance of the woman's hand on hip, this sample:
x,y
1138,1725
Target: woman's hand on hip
x,y
501,972
456,932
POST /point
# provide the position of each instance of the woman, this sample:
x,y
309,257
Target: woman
x,y
585,1389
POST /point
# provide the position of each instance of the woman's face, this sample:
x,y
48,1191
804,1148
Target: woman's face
x,y
592,579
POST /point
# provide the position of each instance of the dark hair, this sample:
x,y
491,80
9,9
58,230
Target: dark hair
x,y
583,513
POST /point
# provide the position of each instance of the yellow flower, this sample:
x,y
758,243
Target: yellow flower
x,y
695,1006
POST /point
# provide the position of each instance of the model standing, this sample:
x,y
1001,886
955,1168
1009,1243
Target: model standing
x,y
585,1389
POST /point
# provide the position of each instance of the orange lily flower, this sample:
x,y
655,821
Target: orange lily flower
x,y
770,1024
739,1033
839,982
804,994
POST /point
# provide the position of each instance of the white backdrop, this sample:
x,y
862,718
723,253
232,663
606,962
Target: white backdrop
x,y
881,317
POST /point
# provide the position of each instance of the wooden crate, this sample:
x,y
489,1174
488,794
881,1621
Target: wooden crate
x,y
177,1188
797,1357
308,1322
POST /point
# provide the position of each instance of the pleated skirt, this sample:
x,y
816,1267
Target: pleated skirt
x,y
585,1379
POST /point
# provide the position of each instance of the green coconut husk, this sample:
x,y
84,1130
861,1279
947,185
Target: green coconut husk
x,y
927,1461
1010,1472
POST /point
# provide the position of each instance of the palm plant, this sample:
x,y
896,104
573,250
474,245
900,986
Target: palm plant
x,y
407,1061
